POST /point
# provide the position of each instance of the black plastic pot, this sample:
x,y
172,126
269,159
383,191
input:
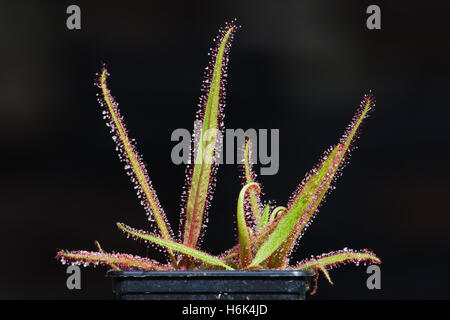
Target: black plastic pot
x,y
211,285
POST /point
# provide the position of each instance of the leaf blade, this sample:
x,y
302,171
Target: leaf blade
x,y
264,217
99,247
202,176
133,161
249,177
124,261
243,230
330,260
202,256
309,195
338,258
341,151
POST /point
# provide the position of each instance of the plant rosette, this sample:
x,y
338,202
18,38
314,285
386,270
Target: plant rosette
x,y
267,234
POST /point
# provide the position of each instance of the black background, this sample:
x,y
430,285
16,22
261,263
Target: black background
x,y
300,66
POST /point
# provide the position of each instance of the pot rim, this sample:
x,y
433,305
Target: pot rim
x,y
211,273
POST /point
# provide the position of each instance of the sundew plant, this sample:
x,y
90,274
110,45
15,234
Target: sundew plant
x,y
267,234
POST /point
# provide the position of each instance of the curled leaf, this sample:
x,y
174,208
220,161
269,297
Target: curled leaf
x,y
249,177
243,230
276,212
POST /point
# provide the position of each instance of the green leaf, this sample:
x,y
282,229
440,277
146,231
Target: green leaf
x,y
325,273
283,229
202,256
257,239
249,177
330,260
264,218
124,261
319,184
341,154
201,180
101,251
276,212
133,162
310,194
245,255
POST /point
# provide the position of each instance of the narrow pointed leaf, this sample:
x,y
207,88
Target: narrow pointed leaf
x,y
316,278
102,252
202,256
279,258
341,155
331,260
249,177
124,261
338,258
243,230
325,273
133,163
282,231
201,181
264,217
310,194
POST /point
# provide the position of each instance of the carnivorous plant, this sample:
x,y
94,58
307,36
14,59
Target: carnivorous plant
x,y
266,236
